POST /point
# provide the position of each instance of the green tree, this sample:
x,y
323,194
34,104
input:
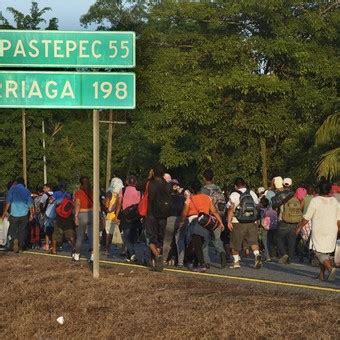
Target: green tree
x,y
224,83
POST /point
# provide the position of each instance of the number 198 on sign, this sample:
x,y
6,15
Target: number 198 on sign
x,y
106,89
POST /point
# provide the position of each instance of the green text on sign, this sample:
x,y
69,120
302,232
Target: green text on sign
x,y
67,49
94,90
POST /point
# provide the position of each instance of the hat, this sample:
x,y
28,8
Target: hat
x,y
278,182
287,182
167,177
174,181
261,190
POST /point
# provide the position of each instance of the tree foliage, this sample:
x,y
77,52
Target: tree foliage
x,y
30,21
213,80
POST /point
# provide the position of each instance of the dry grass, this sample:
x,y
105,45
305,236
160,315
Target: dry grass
x,y
127,303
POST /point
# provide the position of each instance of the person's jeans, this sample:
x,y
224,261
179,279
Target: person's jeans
x,y
217,242
286,239
171,226
18,229
268,242
180,237
85,222
129,236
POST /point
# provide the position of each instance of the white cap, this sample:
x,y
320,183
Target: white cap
x,y
287,182
167,177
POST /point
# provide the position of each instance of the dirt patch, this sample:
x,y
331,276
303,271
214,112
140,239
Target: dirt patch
x,y
135,303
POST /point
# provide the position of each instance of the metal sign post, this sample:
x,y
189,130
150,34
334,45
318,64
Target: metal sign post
x,y
24,146
96,193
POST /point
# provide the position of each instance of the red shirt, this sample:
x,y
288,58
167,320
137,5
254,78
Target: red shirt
x,y
85,198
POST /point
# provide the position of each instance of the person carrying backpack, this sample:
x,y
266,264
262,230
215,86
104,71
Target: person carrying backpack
x,y
64,221
218,199
269,221
290,214
158,210
242,216
129,218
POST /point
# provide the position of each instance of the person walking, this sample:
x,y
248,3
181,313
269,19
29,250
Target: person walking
x,y
324,212
159,205
242,215
20,203
83,216
197,206
216,194
129,219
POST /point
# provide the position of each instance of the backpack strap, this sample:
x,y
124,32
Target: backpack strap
x,y
90,199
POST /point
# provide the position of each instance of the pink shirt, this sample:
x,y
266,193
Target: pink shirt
x,y
131,197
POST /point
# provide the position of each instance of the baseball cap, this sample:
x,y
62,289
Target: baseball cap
x,y
278,182
287,182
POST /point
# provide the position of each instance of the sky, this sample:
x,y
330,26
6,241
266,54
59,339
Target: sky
x,y
67,11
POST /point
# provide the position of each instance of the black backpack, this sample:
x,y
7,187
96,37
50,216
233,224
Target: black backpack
x,y
246,212
163,202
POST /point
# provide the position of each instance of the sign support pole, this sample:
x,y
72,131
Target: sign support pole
x,y
24,152
44,148
109,150
96,193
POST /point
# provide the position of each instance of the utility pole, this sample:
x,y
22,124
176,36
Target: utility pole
x,y
44,149
24,146
96,194
109,150
264,158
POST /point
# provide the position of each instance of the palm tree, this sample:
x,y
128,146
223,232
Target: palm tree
x,y
30,21
328,133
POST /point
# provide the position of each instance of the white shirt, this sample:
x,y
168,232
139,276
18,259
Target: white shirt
x,y
324,212
234,200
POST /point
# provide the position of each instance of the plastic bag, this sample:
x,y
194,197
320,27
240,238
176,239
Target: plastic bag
x,y
117,237
4,225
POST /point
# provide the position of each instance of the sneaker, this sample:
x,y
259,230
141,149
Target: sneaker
x,y
283,259
258,262
332,274
76,257
16,246
200,269
223,258
91,258
133,258
235,265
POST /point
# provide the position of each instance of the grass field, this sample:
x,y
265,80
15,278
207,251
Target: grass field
x,y
134,303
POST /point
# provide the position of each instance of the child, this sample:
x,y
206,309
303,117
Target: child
x,y
269,222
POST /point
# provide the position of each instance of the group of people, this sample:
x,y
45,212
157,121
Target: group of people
x,y
177,225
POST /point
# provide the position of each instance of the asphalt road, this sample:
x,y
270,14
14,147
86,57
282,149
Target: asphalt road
x,y
294,275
